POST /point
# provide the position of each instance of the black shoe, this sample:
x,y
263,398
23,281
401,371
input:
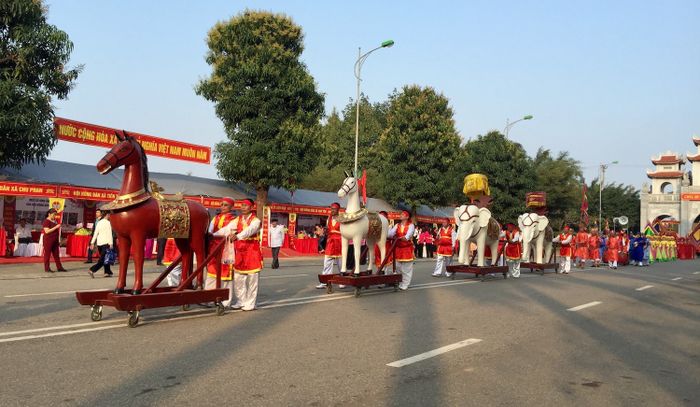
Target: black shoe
x,y
62,270
159,264
108,275
49,271
88,262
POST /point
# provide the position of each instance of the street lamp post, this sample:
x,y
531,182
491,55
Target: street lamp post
x,y
361,58
506,130
601,180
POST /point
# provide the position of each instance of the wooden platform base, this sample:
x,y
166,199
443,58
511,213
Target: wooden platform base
x,y
363,280
478,271
160,297
539,267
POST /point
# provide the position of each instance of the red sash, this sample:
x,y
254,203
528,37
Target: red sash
x,y
220,221
333,240
445,247
249,258
404,248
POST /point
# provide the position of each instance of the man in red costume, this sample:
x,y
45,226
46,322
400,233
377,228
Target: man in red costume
x,y
332,252
403,253
445,249
223,218
594,247
613,249
514,249
565,251
581,246
378,254
243,231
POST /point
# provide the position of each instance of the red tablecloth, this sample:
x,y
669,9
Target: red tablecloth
x,y
3,242
307,245
76,246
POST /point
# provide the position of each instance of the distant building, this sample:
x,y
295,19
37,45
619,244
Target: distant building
x,y
673,200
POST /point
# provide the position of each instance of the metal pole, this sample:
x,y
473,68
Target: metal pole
x,y
357,109
601,172
507,129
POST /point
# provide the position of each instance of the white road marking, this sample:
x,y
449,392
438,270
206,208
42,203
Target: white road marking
x,y
677,278
284,276
107,288
643,288
588,305
179,316
433,353
697,272
35,294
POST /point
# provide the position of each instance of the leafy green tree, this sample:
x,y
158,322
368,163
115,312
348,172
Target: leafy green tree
x,y
33,55
418,148
266,99
337,154
618,200
561,178
508,168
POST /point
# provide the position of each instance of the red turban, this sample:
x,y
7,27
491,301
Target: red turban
x,y
228,201
249,202
405,214
335,205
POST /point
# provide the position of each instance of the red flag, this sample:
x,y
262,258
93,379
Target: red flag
x,y
584,206
362,183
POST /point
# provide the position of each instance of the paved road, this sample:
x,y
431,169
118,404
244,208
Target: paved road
x,y
628,337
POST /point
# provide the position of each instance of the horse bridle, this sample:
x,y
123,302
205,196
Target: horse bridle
x,y
470,215
344,186
117,157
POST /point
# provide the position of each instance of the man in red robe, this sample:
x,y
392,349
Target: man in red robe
x,y
243,231
613,249
513,250
581,247
445,249
332,253
565,251
221,220
403,252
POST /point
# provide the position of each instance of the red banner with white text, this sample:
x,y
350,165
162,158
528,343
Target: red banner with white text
x,y
100,136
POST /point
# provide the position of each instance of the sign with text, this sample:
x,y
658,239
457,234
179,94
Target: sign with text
x,y
20,189
94,135
89,194
690,197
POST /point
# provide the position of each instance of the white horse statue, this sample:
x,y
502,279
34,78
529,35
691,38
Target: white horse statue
x,y
357,224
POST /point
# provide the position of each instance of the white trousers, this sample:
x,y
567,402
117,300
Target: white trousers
x,y
245,287
210,284
514,268
406,270
442,261
328,263
565,264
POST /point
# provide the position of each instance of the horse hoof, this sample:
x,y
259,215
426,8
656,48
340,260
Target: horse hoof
x,y
135,292
119,291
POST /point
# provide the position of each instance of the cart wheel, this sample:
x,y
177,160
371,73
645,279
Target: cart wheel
x,y
329,288
96,312
396,287
358,290
186,307
220,309
133,318
505,276
453,276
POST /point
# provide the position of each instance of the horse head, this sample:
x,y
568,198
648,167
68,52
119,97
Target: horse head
x,y
349,186
126,151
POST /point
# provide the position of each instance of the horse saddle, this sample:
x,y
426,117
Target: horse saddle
x,y
174,219
374,229
494,229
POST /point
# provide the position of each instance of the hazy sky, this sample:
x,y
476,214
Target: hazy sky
x,y
605,80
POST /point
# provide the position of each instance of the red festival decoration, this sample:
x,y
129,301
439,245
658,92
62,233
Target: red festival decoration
x,y
94,135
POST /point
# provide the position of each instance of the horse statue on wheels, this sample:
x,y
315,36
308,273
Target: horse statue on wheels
x,y
138,214
357,224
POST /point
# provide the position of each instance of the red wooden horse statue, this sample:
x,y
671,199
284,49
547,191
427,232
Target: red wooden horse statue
x,y
136,215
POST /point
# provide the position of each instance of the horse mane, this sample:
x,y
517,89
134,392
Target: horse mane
x,y
144,161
